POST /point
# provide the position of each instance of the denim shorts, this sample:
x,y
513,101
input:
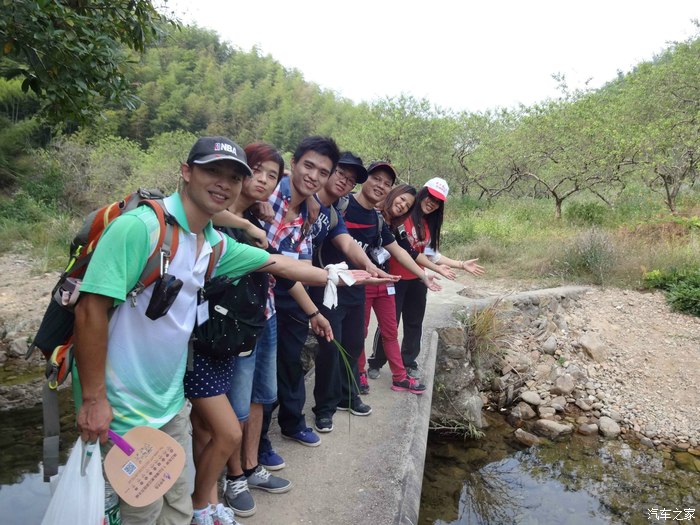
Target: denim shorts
x,y
255,376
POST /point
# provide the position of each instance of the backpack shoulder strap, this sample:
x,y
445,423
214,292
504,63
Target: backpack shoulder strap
x,y
165,245
216,252
380,227
381,221
337,210
343,203
334,218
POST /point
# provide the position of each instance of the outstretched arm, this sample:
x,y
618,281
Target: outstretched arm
x,y
302,271
231,220
468,266
443,270
407,262
357,256
90,348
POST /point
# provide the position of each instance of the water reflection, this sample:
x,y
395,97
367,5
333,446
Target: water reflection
x,y
577,481
24,496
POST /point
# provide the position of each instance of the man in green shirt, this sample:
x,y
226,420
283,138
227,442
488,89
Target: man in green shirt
x,y
130,367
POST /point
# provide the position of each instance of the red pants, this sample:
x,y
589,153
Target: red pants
x,y
376,297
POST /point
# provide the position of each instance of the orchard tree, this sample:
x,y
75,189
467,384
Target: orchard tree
x,y
417,138
485,153
573,145
664,96
73,53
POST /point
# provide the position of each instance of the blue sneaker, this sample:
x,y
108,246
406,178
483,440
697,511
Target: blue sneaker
x,y
271,460
305,437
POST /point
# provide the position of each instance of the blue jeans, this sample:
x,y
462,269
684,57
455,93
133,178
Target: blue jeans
x,y
255,376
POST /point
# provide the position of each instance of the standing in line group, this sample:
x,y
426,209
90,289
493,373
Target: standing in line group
x,y
387,235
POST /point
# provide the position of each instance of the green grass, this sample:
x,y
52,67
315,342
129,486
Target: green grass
x,y
45,242
513,238
592,244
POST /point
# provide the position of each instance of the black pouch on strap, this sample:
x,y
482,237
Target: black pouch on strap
x,y
236,318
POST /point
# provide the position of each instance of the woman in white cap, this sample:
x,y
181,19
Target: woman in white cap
x,y
421,231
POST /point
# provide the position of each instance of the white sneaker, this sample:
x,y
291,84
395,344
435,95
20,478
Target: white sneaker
x,y
223,515
202,517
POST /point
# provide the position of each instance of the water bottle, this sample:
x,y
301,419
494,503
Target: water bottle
x,y
112,514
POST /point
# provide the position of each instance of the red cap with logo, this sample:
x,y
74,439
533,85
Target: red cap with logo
x,y
438,188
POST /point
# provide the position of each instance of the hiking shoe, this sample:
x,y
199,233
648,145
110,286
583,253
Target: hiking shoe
x,y
364,385
358,409
409,384
413,372
263,480
238,497
203,517
323,424
305,437
271,460
222,515
373,373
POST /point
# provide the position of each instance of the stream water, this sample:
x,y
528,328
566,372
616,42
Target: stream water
x,y
491,481
24,496
579,480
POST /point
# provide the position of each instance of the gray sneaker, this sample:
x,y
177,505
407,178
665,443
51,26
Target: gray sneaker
x,y
239,498
263,480
413,373
373,373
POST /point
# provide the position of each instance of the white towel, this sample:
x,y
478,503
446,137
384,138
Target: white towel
x,y
336,272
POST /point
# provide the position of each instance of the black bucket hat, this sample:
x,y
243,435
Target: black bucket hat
x,y
348,159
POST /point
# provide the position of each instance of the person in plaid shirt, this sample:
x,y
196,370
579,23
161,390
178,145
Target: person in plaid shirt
x,y
290,232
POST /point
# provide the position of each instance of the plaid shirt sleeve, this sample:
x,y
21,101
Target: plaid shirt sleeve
x,y
278,205
288,237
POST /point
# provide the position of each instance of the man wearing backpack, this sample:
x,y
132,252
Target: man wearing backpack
x,y
333,391
130,366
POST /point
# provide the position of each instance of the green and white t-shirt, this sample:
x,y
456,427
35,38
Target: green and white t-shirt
x,y
146,359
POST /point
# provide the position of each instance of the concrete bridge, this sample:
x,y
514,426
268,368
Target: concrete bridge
x,y
369,469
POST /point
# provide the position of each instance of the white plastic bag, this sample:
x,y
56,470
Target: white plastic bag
x,y
79,500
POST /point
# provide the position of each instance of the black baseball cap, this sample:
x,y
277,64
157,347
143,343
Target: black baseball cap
x,y
374,166
213,149
348,159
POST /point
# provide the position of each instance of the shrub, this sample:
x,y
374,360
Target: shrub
x,y
586,213
685,296
592,254
113,161
487,336
457,233
22,207
682,288
666,279
161,162
688,222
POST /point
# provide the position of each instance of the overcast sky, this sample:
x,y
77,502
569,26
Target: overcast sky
x,y
462,54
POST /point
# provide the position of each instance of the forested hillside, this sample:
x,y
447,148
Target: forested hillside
x,y
587,157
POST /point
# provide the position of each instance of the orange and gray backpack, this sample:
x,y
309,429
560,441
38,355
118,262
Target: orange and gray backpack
x,y
55,335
